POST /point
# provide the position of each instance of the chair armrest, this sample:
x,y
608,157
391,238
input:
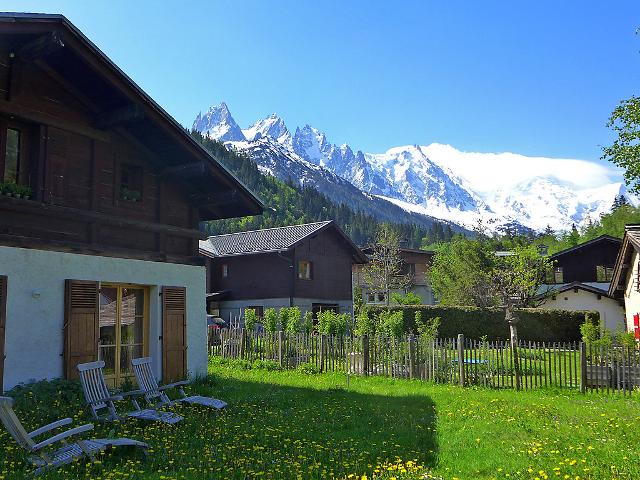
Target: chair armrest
x,y
174,385
51,426
131,393
63,435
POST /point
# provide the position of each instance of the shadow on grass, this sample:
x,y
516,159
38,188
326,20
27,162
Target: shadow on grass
x,y
269,430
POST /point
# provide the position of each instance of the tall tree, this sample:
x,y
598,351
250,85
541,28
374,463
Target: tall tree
x,y
625,151
385,271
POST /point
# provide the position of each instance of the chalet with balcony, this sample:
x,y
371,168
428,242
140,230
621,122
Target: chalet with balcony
x,y
308,266
101,195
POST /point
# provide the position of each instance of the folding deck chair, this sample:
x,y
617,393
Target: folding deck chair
x,y
99,398
155,394
44,459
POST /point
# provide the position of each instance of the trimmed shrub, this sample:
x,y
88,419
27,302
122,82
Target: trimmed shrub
x,y
534,324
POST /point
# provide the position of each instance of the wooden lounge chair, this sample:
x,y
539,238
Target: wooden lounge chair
x,y
100,399
43,458
155,394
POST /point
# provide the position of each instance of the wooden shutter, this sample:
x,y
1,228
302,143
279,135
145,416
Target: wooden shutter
x,y
174,334
3,323
81,327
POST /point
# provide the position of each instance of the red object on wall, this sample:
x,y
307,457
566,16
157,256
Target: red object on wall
x,y
636,325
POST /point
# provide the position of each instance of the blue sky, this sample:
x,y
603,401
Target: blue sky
x,y
532,77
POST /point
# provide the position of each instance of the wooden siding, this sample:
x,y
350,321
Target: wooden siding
x,y
74,165
272,275
580,265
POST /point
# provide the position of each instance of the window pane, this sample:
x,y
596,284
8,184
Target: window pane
x,y
108,355
108,310
128,353
12,156
132,316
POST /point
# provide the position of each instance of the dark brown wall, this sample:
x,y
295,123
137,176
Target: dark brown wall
x,y
331,268
79,167
253,276
271,276
580,265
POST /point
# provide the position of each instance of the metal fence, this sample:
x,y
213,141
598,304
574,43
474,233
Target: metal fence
x,y
496,364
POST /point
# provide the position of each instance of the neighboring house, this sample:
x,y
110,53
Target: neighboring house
x,y
308,266
101,262
581,277
416,265
625,285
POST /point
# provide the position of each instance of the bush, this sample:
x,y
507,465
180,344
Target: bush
x,y
269,365
307,322
308,368
291,319
534,325
270,320
250,319
365,325
409,299
390,323
332,323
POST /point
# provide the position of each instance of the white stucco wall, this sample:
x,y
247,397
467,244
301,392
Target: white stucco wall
x,y
611,312
35,307
631,294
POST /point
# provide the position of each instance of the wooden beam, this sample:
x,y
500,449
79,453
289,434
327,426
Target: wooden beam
x,y
120,116
26,113
41,46
47,210
215,199
66,85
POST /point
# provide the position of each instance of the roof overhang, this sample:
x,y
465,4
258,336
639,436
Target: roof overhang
x,y
117,105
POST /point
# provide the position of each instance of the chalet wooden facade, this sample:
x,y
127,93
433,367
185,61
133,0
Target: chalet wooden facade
x,y
101,195
308,266
416,265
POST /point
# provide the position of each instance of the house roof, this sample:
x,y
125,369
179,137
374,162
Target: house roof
x,y
630,244
580,286
116,102
271,240
429,253
601,238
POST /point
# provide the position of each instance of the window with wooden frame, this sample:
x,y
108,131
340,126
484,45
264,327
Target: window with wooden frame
x,y
15,171
558,275
305,270
131,182
224,270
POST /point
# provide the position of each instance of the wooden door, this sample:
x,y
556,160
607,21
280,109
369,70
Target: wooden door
x,y
3,323
81,333
174,334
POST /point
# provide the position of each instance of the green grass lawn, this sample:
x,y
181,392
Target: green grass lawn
x,y
296,425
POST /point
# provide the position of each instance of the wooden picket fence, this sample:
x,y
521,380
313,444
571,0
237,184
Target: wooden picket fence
x,y
495,364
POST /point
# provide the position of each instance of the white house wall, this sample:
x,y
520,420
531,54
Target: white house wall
x,y
611,312
631,294
35,307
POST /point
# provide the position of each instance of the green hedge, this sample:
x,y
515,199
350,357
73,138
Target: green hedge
x,y
534,324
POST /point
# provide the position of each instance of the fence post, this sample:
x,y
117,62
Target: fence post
x,y
461,357
323,346
280,342
365,354
583,367
412,356
513,331
243,343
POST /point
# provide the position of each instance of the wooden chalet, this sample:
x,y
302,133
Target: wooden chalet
x,y
308,266
101,195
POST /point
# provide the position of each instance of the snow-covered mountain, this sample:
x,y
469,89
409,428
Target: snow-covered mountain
x,y
434,180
